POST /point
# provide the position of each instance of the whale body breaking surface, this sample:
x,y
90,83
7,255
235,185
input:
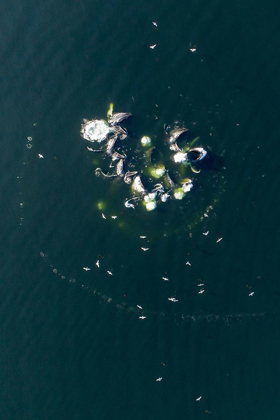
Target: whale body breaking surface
x,y
151,172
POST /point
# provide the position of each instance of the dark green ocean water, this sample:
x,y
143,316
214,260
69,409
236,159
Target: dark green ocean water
x,y
72,346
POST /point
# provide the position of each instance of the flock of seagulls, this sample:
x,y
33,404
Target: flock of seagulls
x,y
192,49
164,278
140,307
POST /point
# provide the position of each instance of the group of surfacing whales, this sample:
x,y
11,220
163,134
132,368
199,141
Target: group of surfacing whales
x,y
113,133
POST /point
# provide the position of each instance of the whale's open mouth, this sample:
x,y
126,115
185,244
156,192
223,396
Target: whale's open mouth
x,y
196,154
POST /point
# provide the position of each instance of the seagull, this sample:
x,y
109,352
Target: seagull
x,y
173,299
165,279
153,46
86,268
97,264
40,156
199,398
201,284
155,24
142,317
193,49
158,379
251,294
143,237
114,217
110,273
138,306
129,205
205,233
188,263
218,240
103,215
145,249
201,291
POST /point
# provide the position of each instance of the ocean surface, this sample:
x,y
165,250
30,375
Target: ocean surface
x,y
73,280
